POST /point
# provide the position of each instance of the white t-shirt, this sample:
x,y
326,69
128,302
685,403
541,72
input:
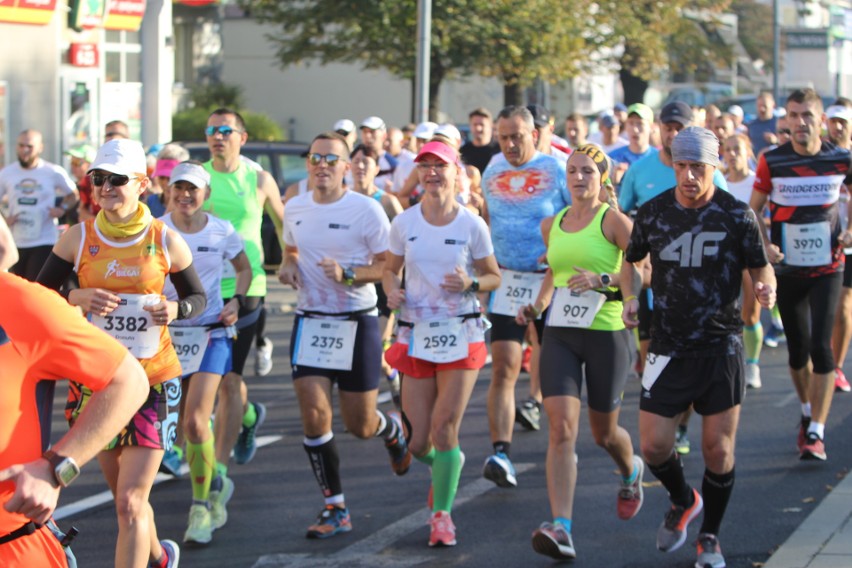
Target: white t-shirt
x,y
403,169
31,194
211,247
742,189
352,230
430,253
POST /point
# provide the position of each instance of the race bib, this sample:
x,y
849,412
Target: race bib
x,y
654,365
574,309
324,343
30,219
806,245
190,344
440,341
517,289
131,325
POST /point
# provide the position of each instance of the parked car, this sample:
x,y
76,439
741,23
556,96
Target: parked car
x,y
285,161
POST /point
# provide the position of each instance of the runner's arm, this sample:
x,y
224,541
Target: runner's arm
x,y
8,250
272,202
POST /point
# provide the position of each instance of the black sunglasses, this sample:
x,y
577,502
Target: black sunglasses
x,y
223,130
316,158
784,131
115,180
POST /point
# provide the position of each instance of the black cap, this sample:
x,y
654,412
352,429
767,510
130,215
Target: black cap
x,y
677,111
541,117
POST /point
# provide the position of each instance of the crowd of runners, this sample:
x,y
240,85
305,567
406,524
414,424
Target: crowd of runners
x,y
646,249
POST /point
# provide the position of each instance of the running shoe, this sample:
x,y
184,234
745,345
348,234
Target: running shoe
x,y
442,530
802,438
630,495
672,532
172,461
246,445
499,469
528,414
221,491
814,448
200,529
708,551
397,448
551,539
263,358
681,445
331,521
774,336
840,382
172,552
752,376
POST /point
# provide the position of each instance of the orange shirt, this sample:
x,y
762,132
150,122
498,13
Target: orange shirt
x,y
139,266
41,337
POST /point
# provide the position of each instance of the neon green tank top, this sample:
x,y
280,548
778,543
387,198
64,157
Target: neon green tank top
x,y
233,197
589,249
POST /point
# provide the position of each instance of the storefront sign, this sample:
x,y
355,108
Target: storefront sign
x,y
814,39
124,14
83,55
86,14
196,2
38,12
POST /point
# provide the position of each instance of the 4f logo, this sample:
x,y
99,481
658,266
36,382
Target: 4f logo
x,y
689,249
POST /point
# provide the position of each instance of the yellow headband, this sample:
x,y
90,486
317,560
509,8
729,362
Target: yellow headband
x,y
598,157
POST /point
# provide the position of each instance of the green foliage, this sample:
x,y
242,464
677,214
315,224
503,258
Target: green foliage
x,y
189,124
755,29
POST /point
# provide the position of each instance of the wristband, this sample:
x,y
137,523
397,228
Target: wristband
x,y
241,300
628,298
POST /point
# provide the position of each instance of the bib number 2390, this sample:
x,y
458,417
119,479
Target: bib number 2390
x,y
439,341
327,344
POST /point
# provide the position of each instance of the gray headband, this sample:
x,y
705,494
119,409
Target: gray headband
x,y
696,144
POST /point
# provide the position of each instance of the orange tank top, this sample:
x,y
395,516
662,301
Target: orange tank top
x,y
138,266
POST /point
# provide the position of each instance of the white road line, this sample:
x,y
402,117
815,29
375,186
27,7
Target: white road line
x,y
367,551
786,400
104,497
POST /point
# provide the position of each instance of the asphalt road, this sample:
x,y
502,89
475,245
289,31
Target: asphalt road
x,y
276,496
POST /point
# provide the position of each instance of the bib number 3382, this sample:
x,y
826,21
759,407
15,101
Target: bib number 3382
x,y
131,325
440,341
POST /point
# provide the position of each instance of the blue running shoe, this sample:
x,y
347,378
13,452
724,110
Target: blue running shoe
x,y
246,445
499,469
331,521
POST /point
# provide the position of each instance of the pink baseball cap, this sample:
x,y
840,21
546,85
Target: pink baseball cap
x,y
164,167
443,152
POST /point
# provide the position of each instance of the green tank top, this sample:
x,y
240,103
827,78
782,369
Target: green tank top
x,y
233,197
589,249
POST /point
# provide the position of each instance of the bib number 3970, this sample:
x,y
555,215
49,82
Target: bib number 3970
x,y
808,244
574,309
439,341
327,344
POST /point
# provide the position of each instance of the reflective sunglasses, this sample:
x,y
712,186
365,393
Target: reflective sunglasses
x,y
783,131
330,159
115,180
223,130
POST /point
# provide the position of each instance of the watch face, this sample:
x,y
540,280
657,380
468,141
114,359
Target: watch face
x,y
66,472
605,279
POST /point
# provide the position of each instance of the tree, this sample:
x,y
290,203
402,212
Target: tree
x,y
189,124
755,29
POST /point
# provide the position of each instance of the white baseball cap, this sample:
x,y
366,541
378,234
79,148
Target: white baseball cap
x,y
736,110
193,173
839,111
121,156
345,125
425,130
373,123
449,131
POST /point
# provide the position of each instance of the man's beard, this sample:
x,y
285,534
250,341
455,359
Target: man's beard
x,y
29,163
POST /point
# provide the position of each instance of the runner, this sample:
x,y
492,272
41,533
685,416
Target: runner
x,y
522,187
30,185
122,258
700,239
440,346
202,342
336,243
736,151
239,193
801,182
584,248
42,337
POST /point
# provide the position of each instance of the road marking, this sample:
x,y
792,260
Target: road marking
x,y
367,551
104,497
786,400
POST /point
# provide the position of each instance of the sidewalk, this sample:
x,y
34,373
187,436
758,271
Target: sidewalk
x,y
824,539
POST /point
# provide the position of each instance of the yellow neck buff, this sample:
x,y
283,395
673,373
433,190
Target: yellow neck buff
x,y
141,219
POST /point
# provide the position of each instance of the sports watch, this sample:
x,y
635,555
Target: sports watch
x,y
349,276
65,470
474,285
606,279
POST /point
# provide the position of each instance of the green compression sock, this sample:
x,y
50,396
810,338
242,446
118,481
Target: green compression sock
x,y
753,340
202,464
429,458
446,471
250,417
